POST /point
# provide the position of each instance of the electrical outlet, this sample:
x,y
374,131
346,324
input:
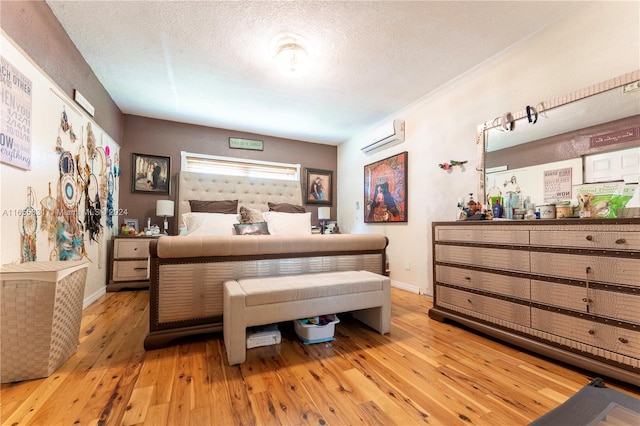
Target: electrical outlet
x,y
631,87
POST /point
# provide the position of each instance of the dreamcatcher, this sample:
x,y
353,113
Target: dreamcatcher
x,y
101,160
48,222
91,142
93,209
29,228
116,169
59,148
69,243
66,126
64,121
109,187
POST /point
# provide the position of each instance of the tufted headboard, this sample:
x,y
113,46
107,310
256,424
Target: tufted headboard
x,y
250,192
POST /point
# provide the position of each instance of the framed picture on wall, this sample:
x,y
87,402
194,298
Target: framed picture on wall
x,y
150,174
385,190
319,187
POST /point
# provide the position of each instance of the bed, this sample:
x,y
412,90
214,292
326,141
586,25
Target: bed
x,y
187,272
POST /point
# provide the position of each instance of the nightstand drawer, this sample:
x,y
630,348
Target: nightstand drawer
x,y
131,248
127,270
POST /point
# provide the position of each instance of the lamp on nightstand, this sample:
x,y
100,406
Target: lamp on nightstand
x,y
164,208
324,213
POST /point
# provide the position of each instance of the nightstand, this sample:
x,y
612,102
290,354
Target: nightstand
x,y
129,260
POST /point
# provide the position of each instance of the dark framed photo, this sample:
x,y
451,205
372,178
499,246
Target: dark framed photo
x,y
319,184
385,190
150,174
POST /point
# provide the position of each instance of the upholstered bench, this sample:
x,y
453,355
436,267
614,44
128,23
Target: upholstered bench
x,y
260,301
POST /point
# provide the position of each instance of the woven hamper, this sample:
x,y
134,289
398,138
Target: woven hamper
x,y
41,315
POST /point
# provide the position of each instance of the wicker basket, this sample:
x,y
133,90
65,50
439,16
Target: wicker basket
x,y
41,315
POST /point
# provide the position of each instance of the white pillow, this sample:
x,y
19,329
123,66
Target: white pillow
x,y
209,223
288,223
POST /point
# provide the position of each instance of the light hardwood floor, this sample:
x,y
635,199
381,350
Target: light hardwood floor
x,y
424,372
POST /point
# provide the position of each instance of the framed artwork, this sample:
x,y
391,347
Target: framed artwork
x,y
319,184
150,174
385,190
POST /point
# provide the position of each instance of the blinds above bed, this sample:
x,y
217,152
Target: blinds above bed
x,y
202,163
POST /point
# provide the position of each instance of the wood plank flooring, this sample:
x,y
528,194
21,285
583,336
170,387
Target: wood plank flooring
x,y
424,372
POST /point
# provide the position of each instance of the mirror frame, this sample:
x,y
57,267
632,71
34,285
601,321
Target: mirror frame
x,y
482,129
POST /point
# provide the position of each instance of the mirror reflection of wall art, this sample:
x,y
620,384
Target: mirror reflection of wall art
x,y
385,190
319,187
150,174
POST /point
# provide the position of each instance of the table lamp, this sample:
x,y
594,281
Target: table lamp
x,y
164,208
324,213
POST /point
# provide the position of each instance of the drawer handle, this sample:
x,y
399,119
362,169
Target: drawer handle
x,y
587,300
621,241
623,340
589,238
467,278
469,300
592,332
140,269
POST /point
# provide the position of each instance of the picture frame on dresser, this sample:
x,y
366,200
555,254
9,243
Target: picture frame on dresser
x,y
131,223
150,174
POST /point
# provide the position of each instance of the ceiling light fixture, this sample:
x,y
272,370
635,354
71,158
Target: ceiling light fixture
x,y
292,57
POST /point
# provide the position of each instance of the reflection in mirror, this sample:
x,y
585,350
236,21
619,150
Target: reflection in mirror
x,y
589,129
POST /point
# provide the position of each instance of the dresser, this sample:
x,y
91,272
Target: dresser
x,y
568,289
129,260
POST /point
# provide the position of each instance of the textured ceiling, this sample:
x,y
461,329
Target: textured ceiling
x,y
208,62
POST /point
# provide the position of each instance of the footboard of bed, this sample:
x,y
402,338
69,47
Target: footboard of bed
x,y
186,294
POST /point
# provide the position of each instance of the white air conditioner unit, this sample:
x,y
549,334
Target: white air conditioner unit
x,y
395,137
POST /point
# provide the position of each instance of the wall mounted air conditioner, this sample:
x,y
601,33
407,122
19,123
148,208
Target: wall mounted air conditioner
x,y
393,137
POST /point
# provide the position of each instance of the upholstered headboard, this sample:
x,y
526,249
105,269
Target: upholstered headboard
x,y
250,192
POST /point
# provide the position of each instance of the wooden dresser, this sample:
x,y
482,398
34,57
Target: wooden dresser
x,y
568,289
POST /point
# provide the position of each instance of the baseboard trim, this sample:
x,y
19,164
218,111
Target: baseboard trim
x,y
93,297
405,286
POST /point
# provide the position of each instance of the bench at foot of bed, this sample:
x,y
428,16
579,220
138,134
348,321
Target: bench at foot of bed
x,y
260,301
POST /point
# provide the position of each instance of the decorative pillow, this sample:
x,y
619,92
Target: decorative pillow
x,y
209,223
222,206
255,228
286,208
288,223
248,215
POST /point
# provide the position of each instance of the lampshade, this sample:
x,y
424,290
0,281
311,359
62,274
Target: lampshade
x,y
164,208
324,213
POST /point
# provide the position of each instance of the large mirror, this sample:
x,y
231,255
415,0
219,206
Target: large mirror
x,y
566,140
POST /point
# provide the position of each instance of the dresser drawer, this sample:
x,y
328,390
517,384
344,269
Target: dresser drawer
x,y
513,260
130,270
610,338
617,240
501,309
131,248
613,270
625,307
494,283
488,236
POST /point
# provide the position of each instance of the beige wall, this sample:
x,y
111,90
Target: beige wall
x,y
596,42
168,139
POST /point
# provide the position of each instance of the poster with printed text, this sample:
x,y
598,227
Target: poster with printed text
x,y
15,116
557,184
